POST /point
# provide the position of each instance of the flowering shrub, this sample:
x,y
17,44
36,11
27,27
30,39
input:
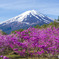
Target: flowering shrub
x,y
4,57
32,41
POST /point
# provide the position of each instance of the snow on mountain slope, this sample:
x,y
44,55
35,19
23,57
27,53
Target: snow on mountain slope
x,y
24,15
21,17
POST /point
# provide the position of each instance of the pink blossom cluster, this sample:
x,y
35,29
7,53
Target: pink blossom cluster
x,y
32,41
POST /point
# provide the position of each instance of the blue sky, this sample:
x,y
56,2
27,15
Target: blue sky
x,y
12,8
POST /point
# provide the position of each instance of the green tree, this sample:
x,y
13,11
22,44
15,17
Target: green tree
x,y
17,30
37,26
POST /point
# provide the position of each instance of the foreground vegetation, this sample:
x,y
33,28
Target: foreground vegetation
x,y
39,42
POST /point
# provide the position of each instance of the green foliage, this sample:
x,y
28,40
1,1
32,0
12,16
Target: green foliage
x,y
37,26
53,24
3,33
44,26
19,57
17,30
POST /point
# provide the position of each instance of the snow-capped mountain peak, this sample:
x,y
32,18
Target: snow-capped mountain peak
x,y
24,15
28,12
20,17
25,20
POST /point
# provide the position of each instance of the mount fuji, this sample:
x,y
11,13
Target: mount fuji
x,y
24,20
